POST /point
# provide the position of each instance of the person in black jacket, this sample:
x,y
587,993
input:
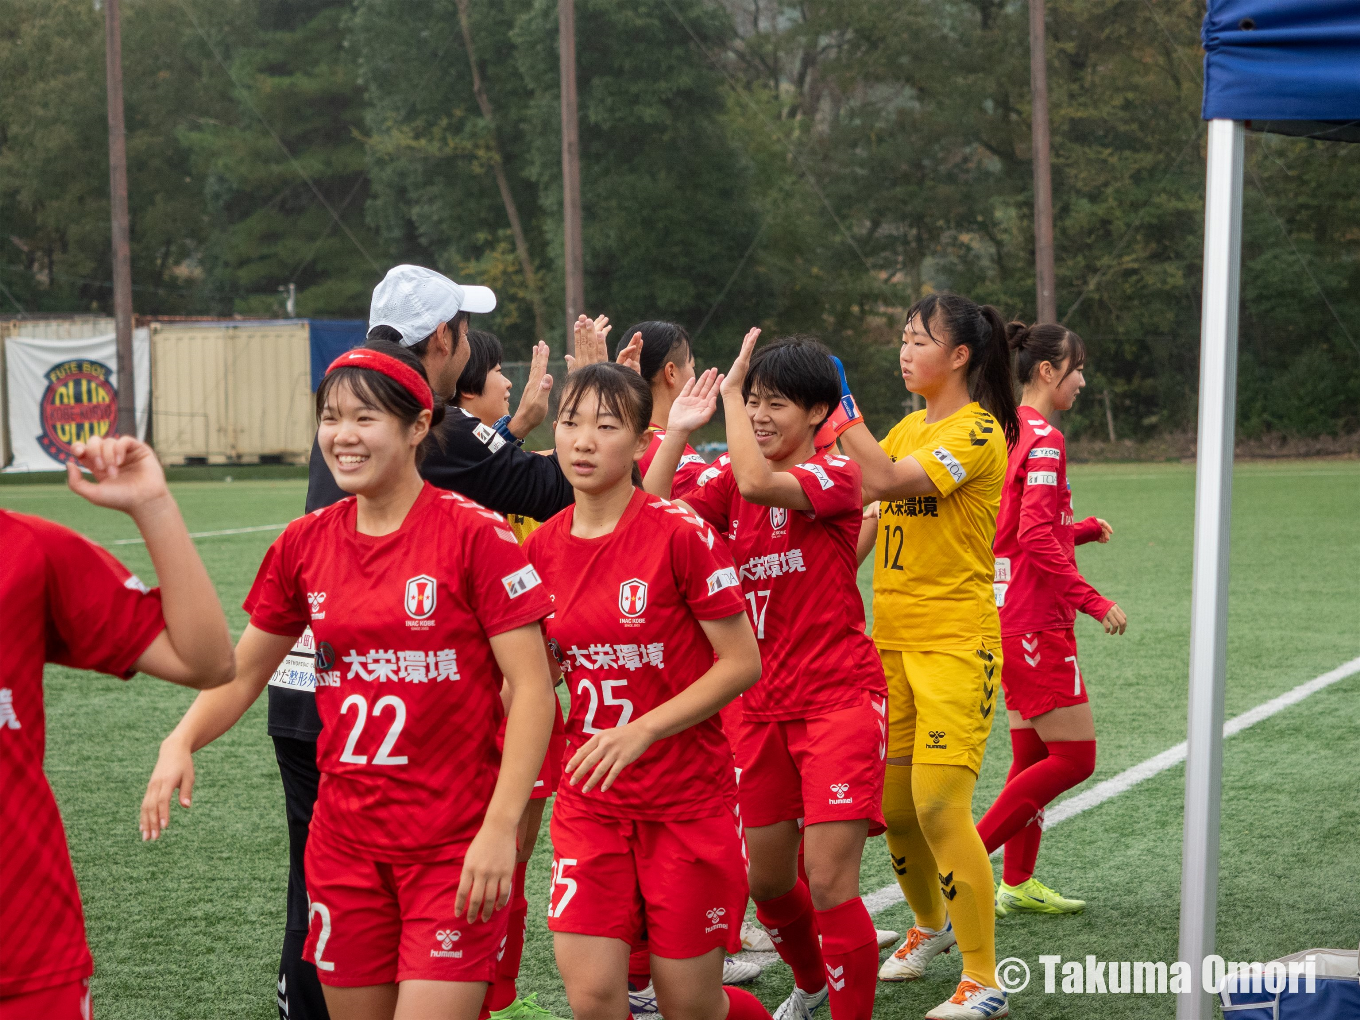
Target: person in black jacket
x,y
427,313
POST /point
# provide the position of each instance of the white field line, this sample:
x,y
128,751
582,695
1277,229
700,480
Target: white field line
x,y
890,895
205,534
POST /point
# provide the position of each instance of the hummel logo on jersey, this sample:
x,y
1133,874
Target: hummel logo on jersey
x,y
8,720
839,791
937,741
446,938
779,516
1041,427
724,577
633,596
316,599
421,594
714,916
946,458
522,580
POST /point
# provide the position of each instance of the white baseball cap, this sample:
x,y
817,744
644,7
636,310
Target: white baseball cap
x,y
414,300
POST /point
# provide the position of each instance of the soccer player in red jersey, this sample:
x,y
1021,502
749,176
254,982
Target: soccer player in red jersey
x,y
649,629
1038,593
66,600
428,606
813,733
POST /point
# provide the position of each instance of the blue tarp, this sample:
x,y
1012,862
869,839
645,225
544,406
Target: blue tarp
x,y
330,339
1282,60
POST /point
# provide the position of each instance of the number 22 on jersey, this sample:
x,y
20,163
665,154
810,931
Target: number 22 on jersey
x,y
360,705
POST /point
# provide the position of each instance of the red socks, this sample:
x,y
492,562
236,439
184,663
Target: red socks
x,y
793,929
640,968
743,1005
1039,773
502,991
850,948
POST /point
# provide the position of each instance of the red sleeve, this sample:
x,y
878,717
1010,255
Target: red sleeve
x,y
1039,501
704,573
687,473
713,501
276,603
101,616
833,485
1085,531
503,587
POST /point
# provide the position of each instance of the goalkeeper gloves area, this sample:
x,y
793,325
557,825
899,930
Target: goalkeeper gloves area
x,y
843,417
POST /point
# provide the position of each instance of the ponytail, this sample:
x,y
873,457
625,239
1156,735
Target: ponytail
x,y
981,329
1033,345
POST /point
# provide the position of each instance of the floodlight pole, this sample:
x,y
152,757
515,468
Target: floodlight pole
x,y
571,170
1045,276
1209,592
118,213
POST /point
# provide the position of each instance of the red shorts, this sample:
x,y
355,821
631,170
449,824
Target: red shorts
x,y
825,768
374,923
550,774
682,883
1039,672
70,1001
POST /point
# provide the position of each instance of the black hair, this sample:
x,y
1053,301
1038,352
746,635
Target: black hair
x,y
662,342
421,347
619,390
798,368
1033,345
484,353
981,329
377,390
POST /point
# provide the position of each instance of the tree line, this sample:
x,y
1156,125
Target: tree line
x,y
806,165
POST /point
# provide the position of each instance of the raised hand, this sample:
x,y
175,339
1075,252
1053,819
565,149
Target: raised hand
x,y
696,403
631,356
736,375
590,341
127,475
533,402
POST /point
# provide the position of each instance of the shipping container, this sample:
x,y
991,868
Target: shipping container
x,y
232,392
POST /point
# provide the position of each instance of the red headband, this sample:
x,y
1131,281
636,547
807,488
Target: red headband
x,y
402,374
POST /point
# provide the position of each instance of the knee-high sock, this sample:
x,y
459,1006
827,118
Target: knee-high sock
x,y
912,861
742,1005
793,929
502,991
944,797
1026,749
1022,800
850,949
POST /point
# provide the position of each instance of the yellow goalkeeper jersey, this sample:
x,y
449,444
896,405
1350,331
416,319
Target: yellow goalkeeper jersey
x,y
933,564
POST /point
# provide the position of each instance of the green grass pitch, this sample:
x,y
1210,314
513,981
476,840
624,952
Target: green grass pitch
x,y
190,926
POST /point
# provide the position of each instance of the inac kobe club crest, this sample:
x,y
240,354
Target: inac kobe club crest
x,y
779,516
633,597
420,596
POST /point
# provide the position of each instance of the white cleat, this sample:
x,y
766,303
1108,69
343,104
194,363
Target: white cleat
x,y
915,953
886,938
755,938
642,1003
739,972
972,1001
800,1005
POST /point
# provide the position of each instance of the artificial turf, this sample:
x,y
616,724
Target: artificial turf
x,y
190,926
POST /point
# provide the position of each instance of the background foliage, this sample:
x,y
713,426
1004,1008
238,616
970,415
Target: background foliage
x,y
807,166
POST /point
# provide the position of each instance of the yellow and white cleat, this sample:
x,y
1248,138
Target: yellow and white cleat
x,y
972,1001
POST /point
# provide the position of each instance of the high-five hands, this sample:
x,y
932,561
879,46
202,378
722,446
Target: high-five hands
x,y
695,405
736,375
589,336
533,402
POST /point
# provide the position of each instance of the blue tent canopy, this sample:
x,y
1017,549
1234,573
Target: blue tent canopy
x,y
1272,60
330,339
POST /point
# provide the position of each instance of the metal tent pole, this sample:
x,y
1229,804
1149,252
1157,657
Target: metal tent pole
x,y
1209,593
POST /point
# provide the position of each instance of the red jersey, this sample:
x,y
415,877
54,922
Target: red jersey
x,y
686,473
406,684
65,600
1038,586
797,572
626,630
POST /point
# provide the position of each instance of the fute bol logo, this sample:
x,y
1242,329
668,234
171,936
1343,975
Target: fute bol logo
x,y
79,402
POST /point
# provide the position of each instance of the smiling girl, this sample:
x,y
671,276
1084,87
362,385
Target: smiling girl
x,y
939,474
1039,590
653,639
420,608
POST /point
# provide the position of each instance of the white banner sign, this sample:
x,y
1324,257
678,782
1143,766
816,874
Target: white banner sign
x,y
63,391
